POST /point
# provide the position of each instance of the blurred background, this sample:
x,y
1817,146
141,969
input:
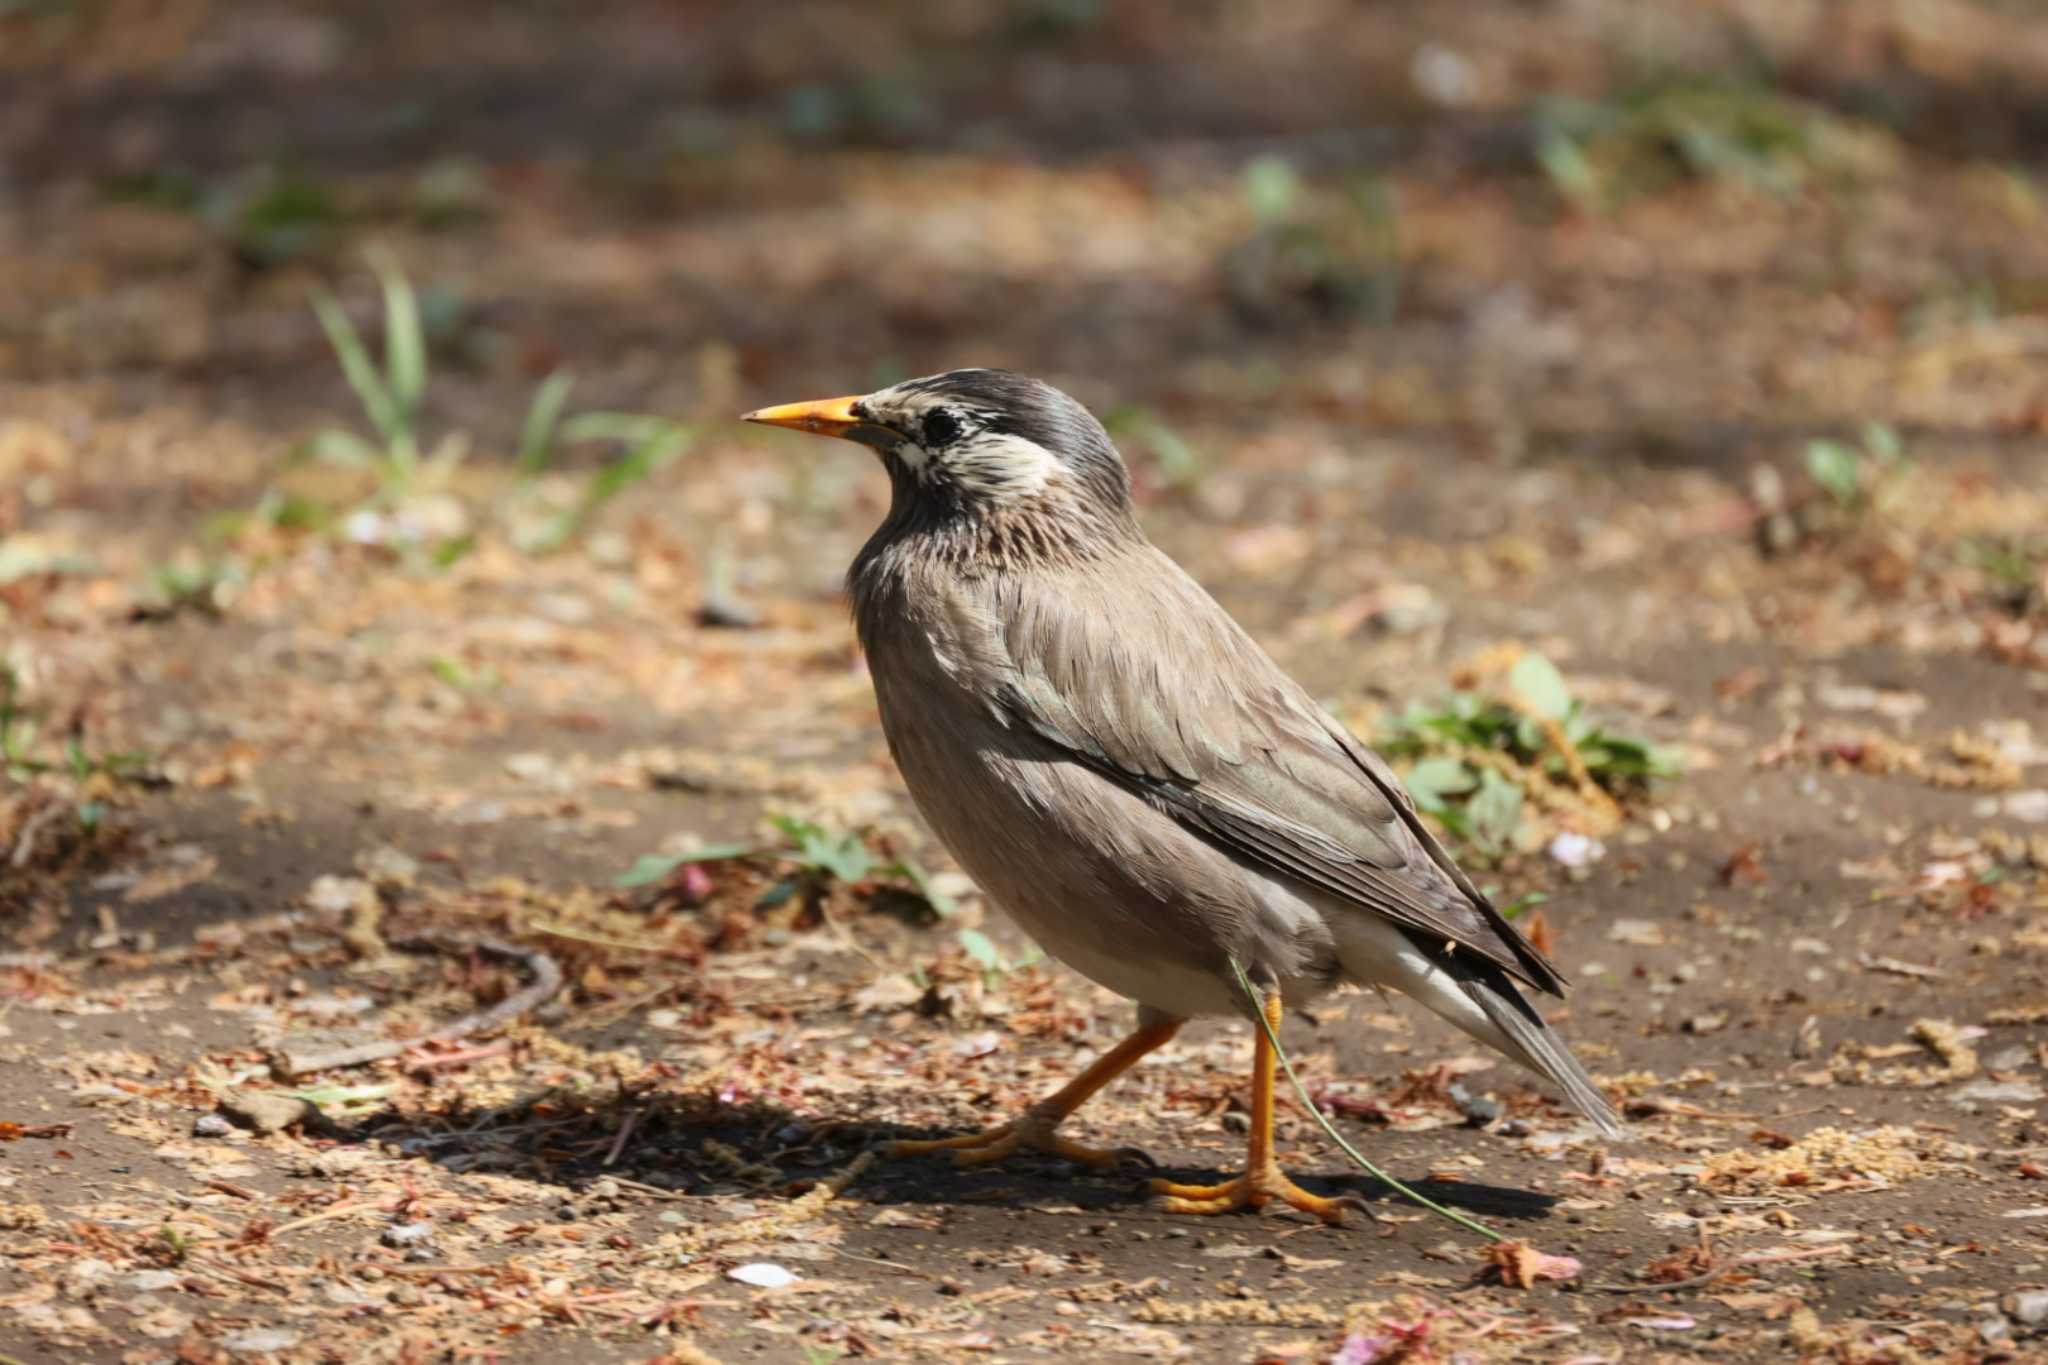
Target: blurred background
x,y
1520,231
1420,324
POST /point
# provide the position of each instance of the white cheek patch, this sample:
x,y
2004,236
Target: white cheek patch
x,y
1001,466
912,455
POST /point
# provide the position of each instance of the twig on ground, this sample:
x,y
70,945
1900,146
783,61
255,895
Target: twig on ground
x,y
632,1120
337,1211
547,979
25,846
1694,1282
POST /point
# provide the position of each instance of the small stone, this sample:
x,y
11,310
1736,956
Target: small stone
x,y
1576,850
2029,1309
265,1111
407,1234
1477,1109
387,866
1996,1092
260,1340
1707,1023
211,1126
340,895
763,1275
728,611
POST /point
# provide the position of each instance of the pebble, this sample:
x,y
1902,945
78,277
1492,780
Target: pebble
x,y
1475,1108
211,1126
265,1111
407,1234
729,611
260,1340
2029,1309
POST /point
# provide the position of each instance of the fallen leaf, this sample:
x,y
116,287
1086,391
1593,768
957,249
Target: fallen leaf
x,y
1519,1263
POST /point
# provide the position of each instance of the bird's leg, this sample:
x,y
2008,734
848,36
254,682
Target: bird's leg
x,y
1263,1180
1035,1130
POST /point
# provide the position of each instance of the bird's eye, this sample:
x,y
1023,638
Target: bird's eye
x,y
940,428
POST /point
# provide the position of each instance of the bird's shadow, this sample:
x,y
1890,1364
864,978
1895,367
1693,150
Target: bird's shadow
x,y
701,1145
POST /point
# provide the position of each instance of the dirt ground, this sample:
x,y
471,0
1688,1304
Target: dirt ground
x,y
1415,389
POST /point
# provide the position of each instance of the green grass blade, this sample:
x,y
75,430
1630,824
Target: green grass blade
x,y
405,339
611,426
537,435
356,365
1258,1004
338,447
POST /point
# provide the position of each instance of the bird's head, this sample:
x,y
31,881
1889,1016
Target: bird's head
x,y
976,442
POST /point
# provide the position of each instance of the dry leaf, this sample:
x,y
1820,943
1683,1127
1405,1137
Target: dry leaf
x,y
1519,1263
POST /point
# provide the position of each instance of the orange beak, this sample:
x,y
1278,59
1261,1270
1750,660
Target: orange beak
x,y
824,416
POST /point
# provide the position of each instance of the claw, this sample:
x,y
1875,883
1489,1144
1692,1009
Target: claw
x,y
1255,1189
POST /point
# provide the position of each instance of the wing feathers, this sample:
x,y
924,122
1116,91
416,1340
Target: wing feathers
x,y
1233,749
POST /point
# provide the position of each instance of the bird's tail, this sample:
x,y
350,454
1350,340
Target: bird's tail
x,y
1532,1042
1476,995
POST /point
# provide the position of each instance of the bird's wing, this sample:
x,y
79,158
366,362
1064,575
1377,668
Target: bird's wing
x,y
1142,677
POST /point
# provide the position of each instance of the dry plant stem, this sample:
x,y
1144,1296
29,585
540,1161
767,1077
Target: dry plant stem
x,y
547,979
25,846
1589,790
1693,1283
1262,1181
1272,1036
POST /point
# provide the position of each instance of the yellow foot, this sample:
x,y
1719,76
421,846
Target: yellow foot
x,y
1253,1190
1030,1133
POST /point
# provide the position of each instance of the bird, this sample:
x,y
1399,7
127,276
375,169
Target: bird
x,y
1121,768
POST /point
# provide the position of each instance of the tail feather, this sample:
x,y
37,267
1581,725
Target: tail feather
x,y
1538,1046
1472,992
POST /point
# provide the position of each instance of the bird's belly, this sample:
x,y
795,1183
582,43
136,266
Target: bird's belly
x,y
1103,882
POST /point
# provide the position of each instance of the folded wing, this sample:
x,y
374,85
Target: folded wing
x,y
1234,751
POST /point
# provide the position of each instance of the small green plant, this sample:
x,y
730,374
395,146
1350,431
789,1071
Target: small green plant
x,y
343,1101
461,677
1473,759
2014,561
650,868
172,1245
266,219
1520,905
1334,251
204,587
994,963
645,445
286,218
1598,154
409,507
1853,476
1179,465
20,761
815,856
391,394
